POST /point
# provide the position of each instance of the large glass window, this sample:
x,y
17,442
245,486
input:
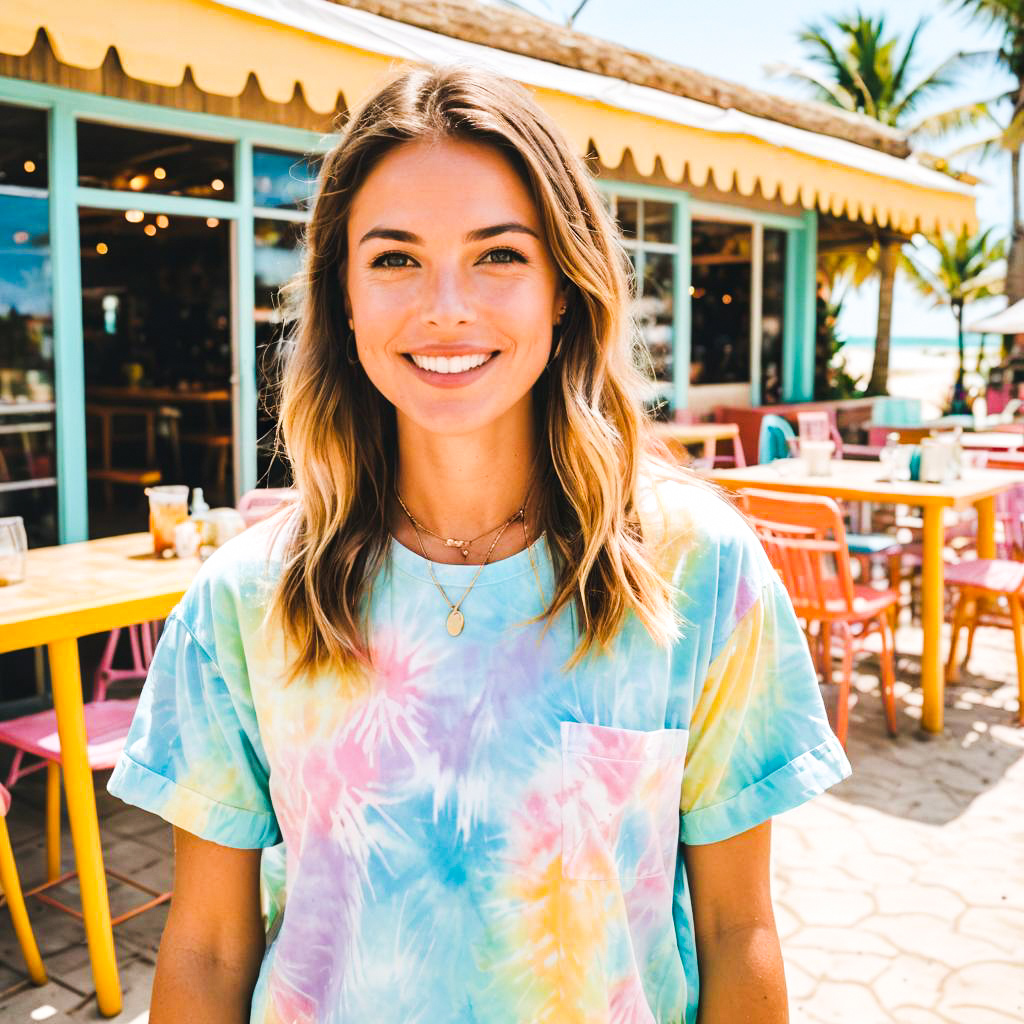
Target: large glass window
x,y
156,324
648,230
28,485
720,279
132,160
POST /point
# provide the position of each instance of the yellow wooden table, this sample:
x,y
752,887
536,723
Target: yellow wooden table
x,y
70,591
862,481
677,435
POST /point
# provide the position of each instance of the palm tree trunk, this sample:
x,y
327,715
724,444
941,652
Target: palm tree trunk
x,y
1015,257
887,258
959,406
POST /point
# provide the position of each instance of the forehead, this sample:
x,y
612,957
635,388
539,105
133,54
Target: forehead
x,y
448,181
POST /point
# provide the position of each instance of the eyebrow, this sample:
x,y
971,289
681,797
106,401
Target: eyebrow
x,y
478,235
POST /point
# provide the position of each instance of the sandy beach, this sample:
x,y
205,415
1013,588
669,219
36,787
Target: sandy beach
x,y
927,373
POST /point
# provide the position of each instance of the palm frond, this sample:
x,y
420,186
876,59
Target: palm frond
x,y
970,115
825,90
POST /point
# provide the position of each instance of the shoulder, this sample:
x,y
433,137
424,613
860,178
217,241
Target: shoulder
x,y
706,548
231,591
687,520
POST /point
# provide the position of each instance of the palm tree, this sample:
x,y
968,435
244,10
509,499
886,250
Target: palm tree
x,y
1004,115
958,269
864,70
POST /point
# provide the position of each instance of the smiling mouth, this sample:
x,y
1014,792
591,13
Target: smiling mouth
x,y
450,366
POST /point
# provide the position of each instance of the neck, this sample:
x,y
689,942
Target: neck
x,y
465,486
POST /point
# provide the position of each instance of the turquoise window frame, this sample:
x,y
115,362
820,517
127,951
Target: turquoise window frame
x,y
800,288
65,107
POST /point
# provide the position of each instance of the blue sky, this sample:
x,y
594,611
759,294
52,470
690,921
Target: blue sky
x,y
735,39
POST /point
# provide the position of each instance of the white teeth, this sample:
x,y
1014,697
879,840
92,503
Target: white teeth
x,y
455,364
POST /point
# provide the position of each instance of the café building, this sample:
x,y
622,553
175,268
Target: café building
x,y
156,165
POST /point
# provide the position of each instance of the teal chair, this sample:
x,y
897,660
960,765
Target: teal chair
x,y
777,439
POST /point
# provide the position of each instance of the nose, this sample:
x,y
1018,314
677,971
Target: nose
x,y
447,301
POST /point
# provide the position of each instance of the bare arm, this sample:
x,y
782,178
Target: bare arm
x,y
213,944
741,974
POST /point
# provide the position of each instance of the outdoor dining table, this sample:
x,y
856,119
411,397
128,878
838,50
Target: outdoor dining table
x,y
678,435
863,481
70,591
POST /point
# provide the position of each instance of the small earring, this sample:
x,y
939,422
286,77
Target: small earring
x,y
353,359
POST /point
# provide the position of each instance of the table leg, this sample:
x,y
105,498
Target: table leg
x,y
932,682
85,831
986,527
710,448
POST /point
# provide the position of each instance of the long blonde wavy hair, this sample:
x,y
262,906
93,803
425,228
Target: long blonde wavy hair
x,y
593,435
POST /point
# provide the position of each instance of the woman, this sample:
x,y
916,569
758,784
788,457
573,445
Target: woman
x,y
472,677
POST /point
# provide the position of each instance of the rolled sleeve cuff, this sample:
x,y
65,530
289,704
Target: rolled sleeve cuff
x,y
806,776
194,812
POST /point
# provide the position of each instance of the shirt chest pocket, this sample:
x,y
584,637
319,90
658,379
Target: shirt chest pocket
x,y
620,801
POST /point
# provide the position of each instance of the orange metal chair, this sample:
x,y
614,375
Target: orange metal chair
x,y
10,887
805,540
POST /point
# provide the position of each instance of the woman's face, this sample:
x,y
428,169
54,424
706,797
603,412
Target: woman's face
x,y
448,268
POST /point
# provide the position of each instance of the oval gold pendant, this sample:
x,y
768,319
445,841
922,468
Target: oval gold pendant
x,y
455,622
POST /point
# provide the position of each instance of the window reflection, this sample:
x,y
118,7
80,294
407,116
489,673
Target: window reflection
x,y
28,485
276,259
283,180
720,302
656,312
132,160
659,221
773,296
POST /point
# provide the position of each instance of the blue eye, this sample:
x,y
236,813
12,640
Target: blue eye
x,y
506,256
391,260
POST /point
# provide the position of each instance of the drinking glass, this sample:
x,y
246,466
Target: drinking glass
x,y
13,547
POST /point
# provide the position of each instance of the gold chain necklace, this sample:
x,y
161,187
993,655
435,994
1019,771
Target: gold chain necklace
x,y
449,542
456,620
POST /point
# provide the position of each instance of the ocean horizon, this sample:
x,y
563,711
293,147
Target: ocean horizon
x,y
971,341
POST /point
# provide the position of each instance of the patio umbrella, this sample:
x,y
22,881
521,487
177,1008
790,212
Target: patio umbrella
x,y
1009,321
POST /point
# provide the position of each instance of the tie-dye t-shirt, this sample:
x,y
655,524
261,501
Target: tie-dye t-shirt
x,y
481,836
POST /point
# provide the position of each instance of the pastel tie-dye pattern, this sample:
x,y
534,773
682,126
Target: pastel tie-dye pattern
x,y
482,837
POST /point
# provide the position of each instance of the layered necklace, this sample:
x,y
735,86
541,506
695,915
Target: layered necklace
x,y
456,620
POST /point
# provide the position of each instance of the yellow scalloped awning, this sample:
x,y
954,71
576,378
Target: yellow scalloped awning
x,y
223,43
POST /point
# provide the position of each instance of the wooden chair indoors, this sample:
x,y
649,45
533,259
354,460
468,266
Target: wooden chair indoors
x,y
805,539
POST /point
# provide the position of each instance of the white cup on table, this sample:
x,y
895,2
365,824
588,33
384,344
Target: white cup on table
x,y
817,456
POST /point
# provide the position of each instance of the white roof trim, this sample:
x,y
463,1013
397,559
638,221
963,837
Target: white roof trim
x,y
376,34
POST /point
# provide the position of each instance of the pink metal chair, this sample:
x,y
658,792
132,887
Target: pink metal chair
x,y
106,728
142,640
261,503
10,887
991,590
805,540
